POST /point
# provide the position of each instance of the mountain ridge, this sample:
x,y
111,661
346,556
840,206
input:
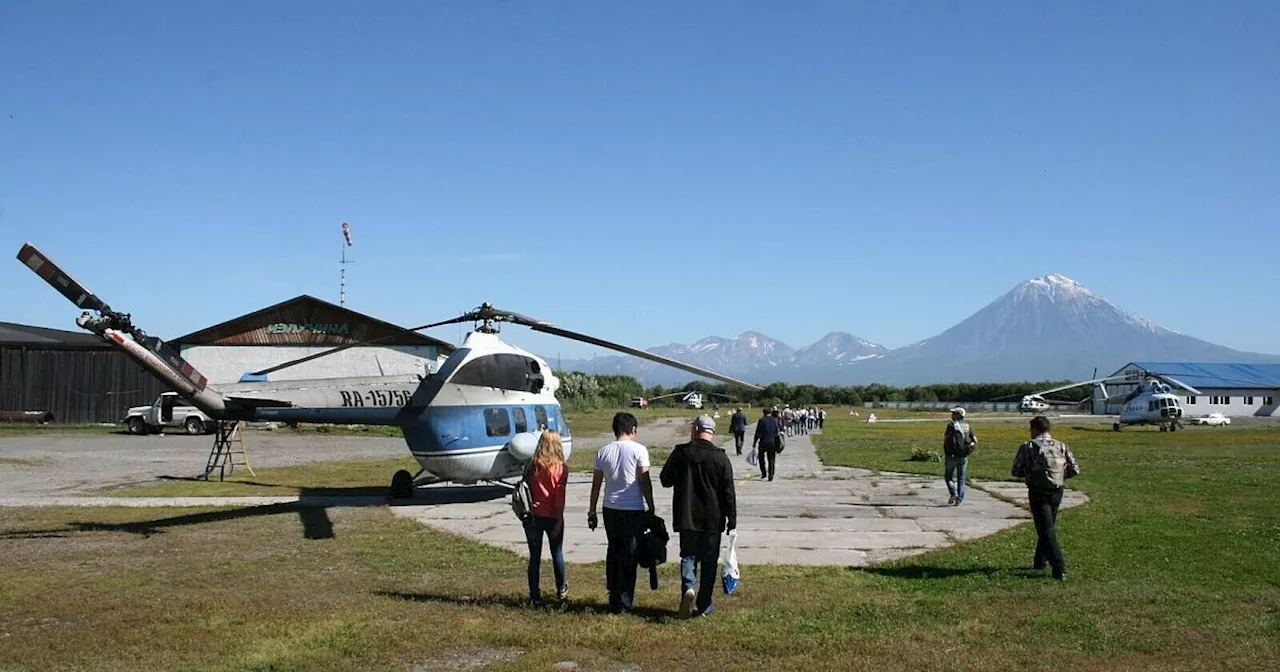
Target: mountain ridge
x,y
1045,328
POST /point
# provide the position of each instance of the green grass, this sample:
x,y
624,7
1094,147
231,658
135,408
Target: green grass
x,y
369,477
29,429
1172,567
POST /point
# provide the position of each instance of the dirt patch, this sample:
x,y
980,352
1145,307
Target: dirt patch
x,y
1181,507
470,658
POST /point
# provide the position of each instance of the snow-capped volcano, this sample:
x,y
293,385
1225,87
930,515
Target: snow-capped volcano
x,y
1045,328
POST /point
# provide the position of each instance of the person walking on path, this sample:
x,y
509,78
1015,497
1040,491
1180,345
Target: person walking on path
x,y
621,469
548,483
703,506
957,444
738,425
1045,463
766,442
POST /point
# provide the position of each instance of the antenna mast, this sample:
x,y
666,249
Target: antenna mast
x,y
342,286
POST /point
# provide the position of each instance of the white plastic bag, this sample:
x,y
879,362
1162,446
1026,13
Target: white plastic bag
x,y
730,575
752,458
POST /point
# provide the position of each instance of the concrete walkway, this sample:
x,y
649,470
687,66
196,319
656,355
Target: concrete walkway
x,y
809,515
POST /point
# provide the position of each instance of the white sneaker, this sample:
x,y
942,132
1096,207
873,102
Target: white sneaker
x,y
952,501
686,603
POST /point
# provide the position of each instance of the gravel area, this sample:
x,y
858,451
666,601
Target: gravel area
x,y
66,465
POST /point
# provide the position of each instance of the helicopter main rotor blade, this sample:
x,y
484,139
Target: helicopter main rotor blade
x,y
340,348
41,265
1177,382
564,333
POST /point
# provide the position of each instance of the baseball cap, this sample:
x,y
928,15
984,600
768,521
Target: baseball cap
x,y
704,423
959,410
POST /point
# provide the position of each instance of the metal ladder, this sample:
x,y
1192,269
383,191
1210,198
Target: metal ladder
x,y
228,451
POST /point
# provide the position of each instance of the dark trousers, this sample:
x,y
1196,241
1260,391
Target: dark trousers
x,y
534,527
622,528
738,438
1044,510
699,553
768,458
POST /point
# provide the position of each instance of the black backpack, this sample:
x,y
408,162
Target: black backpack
x,y
958,444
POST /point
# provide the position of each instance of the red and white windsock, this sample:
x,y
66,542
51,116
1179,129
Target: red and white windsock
x,y
346,233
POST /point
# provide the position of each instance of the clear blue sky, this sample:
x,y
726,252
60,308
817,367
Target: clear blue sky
x,y
649,172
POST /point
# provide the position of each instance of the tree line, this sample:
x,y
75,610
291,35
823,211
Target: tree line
x,y
585,392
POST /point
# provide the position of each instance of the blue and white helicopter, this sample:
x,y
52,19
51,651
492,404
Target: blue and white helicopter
x,y
477,419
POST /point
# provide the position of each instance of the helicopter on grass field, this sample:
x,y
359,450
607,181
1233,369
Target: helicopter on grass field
x,y
693,399
477,419
1151,402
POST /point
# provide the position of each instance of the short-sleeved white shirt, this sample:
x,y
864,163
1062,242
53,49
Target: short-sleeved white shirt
x,y
621,462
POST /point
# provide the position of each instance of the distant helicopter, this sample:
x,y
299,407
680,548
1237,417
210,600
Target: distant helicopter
x,y
477,419
693,399
1152,401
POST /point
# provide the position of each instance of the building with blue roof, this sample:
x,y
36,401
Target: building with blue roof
x,y
1232,389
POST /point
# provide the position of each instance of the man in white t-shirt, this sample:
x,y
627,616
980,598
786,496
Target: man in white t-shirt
x,y
622,469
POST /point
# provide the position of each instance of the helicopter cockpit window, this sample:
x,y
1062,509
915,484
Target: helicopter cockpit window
x,y
497,422
540,414
504,371
522,421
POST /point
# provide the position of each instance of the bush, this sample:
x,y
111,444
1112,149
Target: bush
x,y
925,455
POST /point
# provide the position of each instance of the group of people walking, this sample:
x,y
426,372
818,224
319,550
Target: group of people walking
x,y
704,503
704,506
797,421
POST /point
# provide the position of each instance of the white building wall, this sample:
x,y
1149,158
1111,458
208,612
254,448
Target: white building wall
x,y
227,363
1234,403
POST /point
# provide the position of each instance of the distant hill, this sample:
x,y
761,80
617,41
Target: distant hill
x,y
1046,328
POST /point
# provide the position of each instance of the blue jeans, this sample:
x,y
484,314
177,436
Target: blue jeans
x,y
699,551
534,527
954,464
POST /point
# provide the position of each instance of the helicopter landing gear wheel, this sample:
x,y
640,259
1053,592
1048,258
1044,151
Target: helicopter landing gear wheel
x,y
1116,426
1163,428
402,485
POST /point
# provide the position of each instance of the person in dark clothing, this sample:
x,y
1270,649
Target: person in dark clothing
x,y
703,505
738,425
765,442
1045,463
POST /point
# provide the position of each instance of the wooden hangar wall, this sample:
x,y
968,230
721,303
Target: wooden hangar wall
x,y
75,376
303,326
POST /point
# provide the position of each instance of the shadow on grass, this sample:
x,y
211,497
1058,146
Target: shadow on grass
x,y
915,572
508,602
312,509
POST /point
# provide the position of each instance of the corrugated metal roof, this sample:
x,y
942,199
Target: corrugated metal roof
x,y
306,320
23,334
1216,376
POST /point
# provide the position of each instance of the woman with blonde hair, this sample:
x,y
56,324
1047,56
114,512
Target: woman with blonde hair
x,y
547,483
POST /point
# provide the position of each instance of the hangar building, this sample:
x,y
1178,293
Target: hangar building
x,y
75,376
1234,390
303,326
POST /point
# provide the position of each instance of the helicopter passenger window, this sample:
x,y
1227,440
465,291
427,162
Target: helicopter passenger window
x,y
497,422
564,424
540,414
503,371
522,421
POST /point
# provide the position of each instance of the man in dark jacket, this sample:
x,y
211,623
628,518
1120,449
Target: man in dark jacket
x,y
703,506
768,434
738,425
